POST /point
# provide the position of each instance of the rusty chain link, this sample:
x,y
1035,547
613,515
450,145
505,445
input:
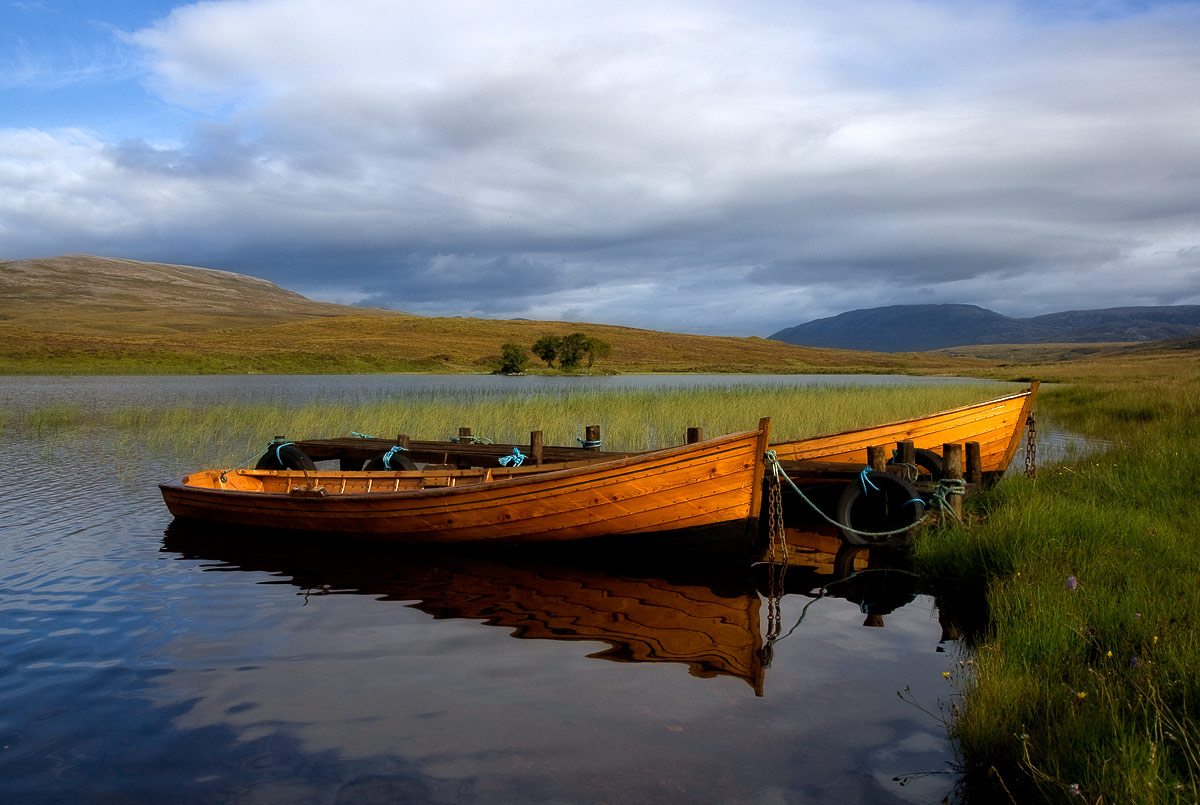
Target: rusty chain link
x,y
1031,447
777,559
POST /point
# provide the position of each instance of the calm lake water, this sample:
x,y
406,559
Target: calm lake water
x,y
143,662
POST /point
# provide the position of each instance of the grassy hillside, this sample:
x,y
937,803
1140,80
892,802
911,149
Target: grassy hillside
x,y
375,344
81,314
88,295
89,315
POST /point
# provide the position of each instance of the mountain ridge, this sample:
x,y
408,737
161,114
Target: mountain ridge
x,y
921,328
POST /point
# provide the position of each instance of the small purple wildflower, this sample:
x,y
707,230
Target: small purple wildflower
x,y
1137,615
1073,788
1133,662
1072,582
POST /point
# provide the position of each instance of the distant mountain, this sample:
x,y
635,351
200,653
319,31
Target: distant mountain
x,y
917,328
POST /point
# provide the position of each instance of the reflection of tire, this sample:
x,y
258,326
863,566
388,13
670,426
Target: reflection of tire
x,y
398,461
285,457
878,502
843,560
929,464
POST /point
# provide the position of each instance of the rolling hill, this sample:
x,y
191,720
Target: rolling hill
x,y
86,294
84,314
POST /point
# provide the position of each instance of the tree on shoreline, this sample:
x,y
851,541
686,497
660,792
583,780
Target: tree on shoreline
x,y
570,350
513,359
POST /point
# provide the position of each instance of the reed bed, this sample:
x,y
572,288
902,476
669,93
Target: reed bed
x,y
629,420
228,434
1085,584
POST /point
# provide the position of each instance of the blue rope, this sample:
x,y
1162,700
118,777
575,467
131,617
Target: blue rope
x,y
865,481
279,447
360,435
773,464
387,457
514,460
590,443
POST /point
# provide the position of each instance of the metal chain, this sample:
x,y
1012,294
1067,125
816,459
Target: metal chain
x,y
1031,447
777,559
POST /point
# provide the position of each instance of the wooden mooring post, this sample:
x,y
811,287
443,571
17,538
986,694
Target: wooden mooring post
x,y
907,452
695,435
974,470
402,440
591,437
877,457
464,434
535,446
952,460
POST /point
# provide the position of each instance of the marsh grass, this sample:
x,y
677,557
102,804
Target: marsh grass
x,y
1085,587
630,420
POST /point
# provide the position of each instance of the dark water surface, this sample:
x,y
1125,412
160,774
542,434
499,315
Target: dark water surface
x,y
143,662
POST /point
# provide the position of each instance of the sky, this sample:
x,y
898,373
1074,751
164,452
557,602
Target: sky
x,y
726,168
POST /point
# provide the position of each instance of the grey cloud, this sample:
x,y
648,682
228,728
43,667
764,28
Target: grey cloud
x,y
695,168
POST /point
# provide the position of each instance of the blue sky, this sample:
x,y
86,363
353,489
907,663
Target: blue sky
x,y
714,167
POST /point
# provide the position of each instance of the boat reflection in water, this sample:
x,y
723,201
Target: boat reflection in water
x,y
702,614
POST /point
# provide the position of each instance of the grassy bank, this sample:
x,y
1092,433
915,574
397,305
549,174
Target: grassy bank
x,y
1085,584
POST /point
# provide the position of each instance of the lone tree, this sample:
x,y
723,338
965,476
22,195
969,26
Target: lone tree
x,y
513,359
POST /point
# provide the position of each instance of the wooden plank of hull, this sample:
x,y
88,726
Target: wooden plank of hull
x,y
696,487
995,424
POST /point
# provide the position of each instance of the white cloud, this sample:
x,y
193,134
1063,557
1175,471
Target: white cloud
x,y
779,162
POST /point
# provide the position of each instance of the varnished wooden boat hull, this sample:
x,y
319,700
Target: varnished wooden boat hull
x,y
996,424
707,494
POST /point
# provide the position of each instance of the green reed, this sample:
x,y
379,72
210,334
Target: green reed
x,y
1085,583
629,420
228,434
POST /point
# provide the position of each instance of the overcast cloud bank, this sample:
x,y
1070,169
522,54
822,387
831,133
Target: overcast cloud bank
x,y
690,166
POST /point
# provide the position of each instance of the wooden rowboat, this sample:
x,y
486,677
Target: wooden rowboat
x,y
703,495
995,424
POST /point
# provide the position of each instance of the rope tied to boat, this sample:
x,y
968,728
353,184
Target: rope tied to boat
x,y
360,435
279,446
387,457
515,460
589,444
224,473
865,481
939,499
471,440
777,468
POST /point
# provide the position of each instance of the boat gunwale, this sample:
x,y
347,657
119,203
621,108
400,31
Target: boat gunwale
x,y
901,422
648,459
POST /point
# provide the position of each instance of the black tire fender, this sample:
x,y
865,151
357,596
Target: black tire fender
x,y
285,457
877,502
398,461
